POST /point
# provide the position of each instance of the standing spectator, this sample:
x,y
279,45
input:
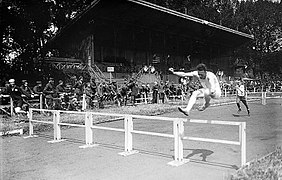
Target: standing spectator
x,y
90,94
123,93
147,90
162,92
155,90
134,91
50,93
93,85
100,94
143,92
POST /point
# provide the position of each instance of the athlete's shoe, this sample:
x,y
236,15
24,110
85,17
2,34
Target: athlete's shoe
x,y
202,108
183,111
248,112
239,111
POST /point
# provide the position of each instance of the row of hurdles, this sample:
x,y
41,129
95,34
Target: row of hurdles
x,y
128,130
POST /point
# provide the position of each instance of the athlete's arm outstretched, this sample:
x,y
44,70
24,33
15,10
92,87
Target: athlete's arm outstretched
x,y
183,74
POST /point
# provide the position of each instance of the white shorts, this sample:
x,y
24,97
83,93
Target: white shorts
x,y
205,91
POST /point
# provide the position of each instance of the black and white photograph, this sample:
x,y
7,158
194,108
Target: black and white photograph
x,y
141,90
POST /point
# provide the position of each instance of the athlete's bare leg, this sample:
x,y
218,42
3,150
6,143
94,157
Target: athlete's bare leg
x,y
191,102
207,97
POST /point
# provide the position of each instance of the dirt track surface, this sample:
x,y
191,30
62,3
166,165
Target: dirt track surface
x,y
34,158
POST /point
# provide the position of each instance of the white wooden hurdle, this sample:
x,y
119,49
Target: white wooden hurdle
x,y
242,135
263,96
178,132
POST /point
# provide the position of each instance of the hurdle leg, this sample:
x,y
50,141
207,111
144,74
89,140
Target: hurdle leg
x,y
12,106
178,131
243,143
30,126
128,126
263,98
84,102
145,98
88,131
41,101
57,128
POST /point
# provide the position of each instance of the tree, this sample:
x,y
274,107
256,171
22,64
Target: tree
x,y
27,25
263,19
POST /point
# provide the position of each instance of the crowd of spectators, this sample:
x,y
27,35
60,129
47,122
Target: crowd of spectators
x,y
68,96
254,85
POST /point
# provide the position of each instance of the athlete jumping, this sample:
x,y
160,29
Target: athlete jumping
x,y
211,87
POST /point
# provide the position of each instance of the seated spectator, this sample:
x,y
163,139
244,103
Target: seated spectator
x,y
60,89
38,89
16,93
26,90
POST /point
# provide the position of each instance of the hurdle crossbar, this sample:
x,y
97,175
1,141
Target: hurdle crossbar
x,y
242,135
178,131
263,96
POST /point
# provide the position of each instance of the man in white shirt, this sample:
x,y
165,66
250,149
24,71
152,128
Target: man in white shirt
x,y
210,87
241,95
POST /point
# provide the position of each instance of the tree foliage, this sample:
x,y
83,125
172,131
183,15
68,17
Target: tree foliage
x,y
262,19
26,25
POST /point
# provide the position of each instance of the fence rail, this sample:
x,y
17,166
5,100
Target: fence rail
x,y
178,131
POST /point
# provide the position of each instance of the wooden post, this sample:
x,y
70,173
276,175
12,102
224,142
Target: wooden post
x,y
242,137
57,128
12,106
128,139
30,123
145,96
84,104
88,131
263,98
178,131
128,144
40,101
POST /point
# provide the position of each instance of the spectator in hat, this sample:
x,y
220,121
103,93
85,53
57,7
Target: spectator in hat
x,y
26,89
16,93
